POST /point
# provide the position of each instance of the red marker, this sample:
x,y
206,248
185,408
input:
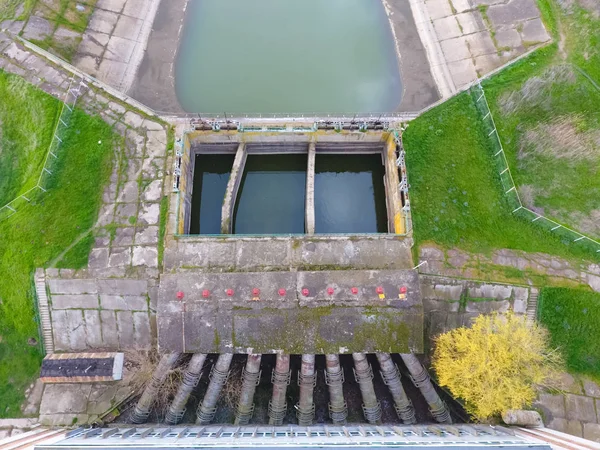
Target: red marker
x,y
330,291
229,292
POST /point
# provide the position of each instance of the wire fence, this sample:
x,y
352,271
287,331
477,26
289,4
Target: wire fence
x,y
566,234
76,87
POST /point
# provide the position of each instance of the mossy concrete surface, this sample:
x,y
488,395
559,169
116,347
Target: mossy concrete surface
x,y
296,312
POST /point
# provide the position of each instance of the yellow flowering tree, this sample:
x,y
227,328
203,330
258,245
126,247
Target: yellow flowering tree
x,y
495,364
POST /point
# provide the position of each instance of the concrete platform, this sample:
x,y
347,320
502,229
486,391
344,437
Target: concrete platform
x,y
316,312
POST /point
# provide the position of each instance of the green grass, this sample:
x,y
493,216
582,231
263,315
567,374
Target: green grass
x,y
456,195
39,232
573,318
566,189
27,120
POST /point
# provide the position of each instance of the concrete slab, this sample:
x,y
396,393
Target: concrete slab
x,y
142,335
250,252
471,22
128,28
93,329
152,192
85,301
129,193
508,38
446,28
580,408
90,46
103,21
153,168
133,120
119,257
149,213
64,399
455,49
123,287
461,5
111,5
72,286
504,15
125,326
119,49
438,8
112,72
145,256
98,258
60,332
146,236
124,302
591,431
481,44
123,237
110,336
124,211
37,28
591,388
534,31
487,63
136,8
76,329
155,148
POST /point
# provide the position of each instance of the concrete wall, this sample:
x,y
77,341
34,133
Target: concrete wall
x,y
233,254
210,319
450,303
101,314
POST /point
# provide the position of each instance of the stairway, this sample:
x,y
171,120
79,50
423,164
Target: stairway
x,y
532,305
44,311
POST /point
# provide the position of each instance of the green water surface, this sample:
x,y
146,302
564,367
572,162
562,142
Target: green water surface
x,y
294,56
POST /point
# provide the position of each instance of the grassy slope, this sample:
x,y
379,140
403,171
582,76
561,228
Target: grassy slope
x,y
573,318
38,233
567,189
456,195
447,154
27,121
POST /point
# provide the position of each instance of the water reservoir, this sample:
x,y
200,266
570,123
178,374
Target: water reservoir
x,y
211,174
275,56
350,194
271,199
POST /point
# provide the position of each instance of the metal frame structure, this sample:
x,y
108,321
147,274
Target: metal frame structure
x,y
349,436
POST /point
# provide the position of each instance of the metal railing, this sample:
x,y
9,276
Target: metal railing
x,y
568,235
76,86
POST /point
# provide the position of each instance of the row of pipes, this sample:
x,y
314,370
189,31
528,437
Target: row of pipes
x,y
281,376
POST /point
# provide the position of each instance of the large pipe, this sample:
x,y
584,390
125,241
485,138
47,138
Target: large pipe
x,y
218,376
421,379
250,379
391,377
191,377
334,378
280,379
307,379
144,404
364,377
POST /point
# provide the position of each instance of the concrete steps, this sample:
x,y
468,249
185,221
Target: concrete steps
x,y
532,305
44,311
